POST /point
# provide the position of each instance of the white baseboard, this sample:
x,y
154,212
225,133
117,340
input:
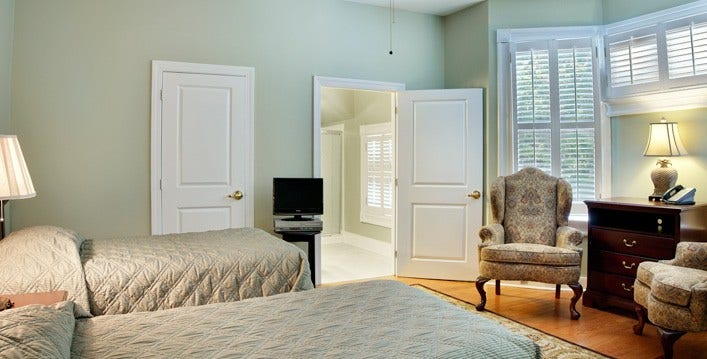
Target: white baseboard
x,y
357,240
537,285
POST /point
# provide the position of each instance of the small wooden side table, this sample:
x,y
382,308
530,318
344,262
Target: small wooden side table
x,y
45,298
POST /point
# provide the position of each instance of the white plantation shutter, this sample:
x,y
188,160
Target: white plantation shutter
x,y
686,47
634,61
377,174
555,114
669,55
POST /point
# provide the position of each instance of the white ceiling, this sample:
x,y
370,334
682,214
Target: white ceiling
x,y
433,7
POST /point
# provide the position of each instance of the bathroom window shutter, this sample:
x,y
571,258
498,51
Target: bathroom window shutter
x,y
377,174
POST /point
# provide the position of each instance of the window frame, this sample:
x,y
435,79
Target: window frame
x,y
367,214
506,38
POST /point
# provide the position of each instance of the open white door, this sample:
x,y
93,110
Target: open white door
x,y
440,176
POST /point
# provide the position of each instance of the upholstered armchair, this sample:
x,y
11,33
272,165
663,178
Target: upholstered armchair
x,y
672,294
529,238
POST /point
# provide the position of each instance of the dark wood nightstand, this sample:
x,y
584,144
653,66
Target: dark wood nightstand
x,y
46,298
624,232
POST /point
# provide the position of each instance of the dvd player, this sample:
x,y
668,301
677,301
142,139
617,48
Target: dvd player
x,y
288,225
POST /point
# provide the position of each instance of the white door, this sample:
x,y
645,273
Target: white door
x,y
331,167
440,166
206,151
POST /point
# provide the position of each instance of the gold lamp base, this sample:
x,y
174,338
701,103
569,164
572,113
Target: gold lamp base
x,y
663,178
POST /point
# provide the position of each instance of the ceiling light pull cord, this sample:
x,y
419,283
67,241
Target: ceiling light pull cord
x,y
392,21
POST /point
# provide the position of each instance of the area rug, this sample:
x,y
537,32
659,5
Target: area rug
x,y
550,346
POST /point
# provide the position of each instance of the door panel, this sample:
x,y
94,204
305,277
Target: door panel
x,y
431,220
205,136
440,132
203,219
440,164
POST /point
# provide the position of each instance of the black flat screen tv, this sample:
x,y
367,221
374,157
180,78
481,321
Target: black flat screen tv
x,y
297,196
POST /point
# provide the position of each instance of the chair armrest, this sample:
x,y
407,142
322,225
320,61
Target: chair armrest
x,y
690,254
491,234
569,237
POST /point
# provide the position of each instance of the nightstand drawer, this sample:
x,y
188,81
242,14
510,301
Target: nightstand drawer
x,y
616,263
618,285
636,221
632,244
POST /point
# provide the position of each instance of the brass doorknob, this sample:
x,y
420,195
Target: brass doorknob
x,y
474,195
236,195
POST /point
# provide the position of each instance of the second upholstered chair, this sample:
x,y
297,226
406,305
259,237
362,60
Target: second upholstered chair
x,y
529,238
672,294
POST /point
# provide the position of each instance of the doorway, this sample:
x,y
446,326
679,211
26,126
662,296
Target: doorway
x,y
354,142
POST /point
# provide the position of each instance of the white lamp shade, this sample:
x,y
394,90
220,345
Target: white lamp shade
x,y
15,182
664,140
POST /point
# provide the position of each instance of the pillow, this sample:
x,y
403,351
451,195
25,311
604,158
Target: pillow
x,y
37,331
43,259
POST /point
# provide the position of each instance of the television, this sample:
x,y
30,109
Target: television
x,y
297,197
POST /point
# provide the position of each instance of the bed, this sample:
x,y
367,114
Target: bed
x,y
137,274
378,319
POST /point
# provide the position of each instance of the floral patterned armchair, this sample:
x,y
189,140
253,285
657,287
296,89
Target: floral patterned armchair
x,y
529,238
672,294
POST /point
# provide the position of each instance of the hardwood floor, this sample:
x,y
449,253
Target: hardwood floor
x,y
602,331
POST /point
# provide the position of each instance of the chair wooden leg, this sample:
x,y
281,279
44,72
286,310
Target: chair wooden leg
x,y
480,287
642,315
577,289
498,287
667,339
557,291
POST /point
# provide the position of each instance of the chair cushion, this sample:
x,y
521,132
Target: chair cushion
x,y
671,284
531,207
530,253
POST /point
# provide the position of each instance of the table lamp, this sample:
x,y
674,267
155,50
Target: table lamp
x,y
15,182
663,141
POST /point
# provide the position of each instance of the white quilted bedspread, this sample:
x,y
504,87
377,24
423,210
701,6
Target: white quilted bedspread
x,y
379,319
158,272
121,275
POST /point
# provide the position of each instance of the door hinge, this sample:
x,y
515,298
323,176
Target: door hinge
x,y
396,110
396,182
396,253
161,184
162,95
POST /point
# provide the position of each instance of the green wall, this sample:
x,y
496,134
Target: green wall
x,y
631,171
81,85
6,24
617,10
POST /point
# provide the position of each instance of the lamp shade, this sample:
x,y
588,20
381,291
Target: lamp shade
x,y
664,140
15,182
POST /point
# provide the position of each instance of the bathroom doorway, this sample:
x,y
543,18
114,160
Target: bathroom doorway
x,y
356,159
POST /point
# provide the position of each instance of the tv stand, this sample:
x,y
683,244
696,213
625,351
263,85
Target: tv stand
x,y
309,238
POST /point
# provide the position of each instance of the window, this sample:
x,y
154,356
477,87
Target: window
x,y
377,174
552,109
662,52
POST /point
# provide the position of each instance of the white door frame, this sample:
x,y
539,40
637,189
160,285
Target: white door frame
x,y
158,68
352,84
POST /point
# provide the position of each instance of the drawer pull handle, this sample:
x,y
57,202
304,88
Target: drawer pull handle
x,y
633,243
628,267
623,285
